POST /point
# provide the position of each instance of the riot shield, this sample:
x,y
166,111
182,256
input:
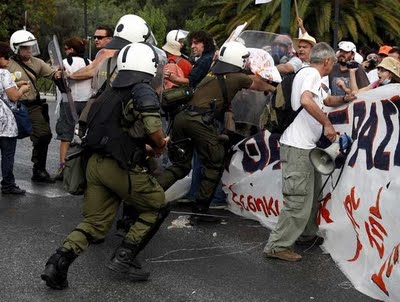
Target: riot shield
x,y
248,105
66,96
158,81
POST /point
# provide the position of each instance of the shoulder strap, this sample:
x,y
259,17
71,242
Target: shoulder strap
x,y
222,86
25,68
178,60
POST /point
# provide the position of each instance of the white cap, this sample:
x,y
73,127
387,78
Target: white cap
x,y
347,46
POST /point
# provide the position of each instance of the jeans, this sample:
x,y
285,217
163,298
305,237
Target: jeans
x,y
7,147
197,171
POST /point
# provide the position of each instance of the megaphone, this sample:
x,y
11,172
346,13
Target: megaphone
x,y
323,160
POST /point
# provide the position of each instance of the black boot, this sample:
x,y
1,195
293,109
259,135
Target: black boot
x,y
202,215
41,176
56,269
39,159
124,261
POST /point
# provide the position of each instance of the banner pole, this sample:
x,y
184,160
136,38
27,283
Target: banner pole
x,y
296,9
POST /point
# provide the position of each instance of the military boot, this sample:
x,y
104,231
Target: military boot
x,y
41,176
201,215
124,261
56,269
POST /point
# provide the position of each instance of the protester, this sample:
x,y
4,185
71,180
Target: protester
x,y
176,63
370,65
199,123
203,48
282,52
108,183
340,71
303,46
30,68
388,72
80,92
394,53
383,52
102,35
9,95
300,182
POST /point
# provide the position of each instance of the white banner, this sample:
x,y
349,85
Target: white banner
x,y
359,216
262,1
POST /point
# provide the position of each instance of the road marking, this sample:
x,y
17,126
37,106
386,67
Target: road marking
x,y
252,246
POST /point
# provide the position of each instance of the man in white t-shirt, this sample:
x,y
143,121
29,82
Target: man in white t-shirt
x,y
300,182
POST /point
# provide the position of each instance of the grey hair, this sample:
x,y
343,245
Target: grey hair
x,y
320,52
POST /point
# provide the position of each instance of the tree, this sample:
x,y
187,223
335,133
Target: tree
x,y
364,22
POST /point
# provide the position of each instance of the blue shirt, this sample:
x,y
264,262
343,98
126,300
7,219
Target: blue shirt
x,y
200,69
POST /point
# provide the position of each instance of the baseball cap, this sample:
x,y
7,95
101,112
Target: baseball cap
x,y
384,50
347,46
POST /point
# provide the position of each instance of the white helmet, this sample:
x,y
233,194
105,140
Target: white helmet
x,y
136,62
232,58
173,41
129,29
24,38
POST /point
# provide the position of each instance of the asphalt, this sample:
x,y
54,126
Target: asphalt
x,y
220,262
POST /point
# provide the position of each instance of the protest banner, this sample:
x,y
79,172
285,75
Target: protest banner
x,y
358,215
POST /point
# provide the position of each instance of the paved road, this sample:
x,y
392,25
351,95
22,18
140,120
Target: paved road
x,y
206,263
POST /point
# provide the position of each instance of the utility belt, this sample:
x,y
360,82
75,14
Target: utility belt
x,y
199,110
209,116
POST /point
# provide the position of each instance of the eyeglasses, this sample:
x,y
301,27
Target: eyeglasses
x,y
99,37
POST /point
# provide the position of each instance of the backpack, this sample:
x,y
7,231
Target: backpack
x,y
174,68
279,114
106,134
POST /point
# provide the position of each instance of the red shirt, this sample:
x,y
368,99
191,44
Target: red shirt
x,y
182,63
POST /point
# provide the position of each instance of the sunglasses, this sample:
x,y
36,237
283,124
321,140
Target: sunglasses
x,y
99,37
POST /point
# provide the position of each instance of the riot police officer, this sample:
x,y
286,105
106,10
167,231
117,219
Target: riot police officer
x,y
24,66
199,121
119,136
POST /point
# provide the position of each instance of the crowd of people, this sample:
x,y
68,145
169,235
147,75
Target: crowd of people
x,y
123,139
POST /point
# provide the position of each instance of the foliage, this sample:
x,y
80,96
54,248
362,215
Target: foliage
x,y
366,22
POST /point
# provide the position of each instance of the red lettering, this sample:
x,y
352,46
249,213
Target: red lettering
x,y
323,211
388,268
251,204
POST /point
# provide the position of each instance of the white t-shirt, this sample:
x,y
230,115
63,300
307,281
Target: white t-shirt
x,y
305,130
373,75
81,90
296,63
8,125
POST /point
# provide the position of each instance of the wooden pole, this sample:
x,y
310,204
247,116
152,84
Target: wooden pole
x,y
296,9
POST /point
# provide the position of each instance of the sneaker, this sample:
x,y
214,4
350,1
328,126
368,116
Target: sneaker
x,y
15,190
315,241
286,255
60,174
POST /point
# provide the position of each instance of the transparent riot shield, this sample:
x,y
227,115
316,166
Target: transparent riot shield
x,y
158,81
248,105
65,91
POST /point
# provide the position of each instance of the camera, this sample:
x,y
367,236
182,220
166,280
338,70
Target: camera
x,y
352,64
372,64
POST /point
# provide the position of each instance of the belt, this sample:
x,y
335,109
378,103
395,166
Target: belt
x,y
200,110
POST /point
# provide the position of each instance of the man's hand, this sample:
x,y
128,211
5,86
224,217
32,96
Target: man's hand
x,y
330,132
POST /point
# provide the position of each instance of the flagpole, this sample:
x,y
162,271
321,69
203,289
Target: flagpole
x,y
285,16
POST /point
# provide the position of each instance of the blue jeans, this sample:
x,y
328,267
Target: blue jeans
x,y
197,171
7,147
